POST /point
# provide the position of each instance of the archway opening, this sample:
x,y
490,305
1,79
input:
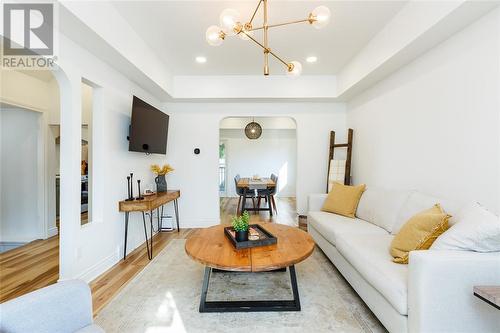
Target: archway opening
x,y
257,170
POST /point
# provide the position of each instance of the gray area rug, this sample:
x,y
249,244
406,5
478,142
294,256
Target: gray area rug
x,y
165,297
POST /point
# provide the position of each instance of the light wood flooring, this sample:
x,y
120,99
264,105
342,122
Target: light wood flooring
x,y
286,211
29,267
36,264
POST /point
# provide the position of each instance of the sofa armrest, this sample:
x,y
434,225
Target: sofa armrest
x,y
315,202
440,296
62,307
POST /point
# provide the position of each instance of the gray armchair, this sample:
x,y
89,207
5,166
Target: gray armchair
x,y
60,308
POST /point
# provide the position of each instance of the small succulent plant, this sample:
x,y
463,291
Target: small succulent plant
x,y
240,223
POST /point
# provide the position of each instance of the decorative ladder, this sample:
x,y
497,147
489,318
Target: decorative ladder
x,y
348,145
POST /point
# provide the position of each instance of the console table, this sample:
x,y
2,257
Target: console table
x,y
148,204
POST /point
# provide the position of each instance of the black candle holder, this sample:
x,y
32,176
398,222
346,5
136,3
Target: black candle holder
x,y
140,197
129,189
131,186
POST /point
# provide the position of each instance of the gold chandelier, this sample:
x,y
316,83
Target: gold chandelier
x,y
232,25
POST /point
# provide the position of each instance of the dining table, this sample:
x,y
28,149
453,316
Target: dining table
x,y
252,184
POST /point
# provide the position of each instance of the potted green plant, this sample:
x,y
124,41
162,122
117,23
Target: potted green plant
x,y
240,226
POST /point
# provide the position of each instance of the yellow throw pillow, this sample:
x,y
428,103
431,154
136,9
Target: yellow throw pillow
x,y
343,199
418,233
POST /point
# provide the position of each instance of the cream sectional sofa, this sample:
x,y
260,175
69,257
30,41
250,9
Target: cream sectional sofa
x,y
433,293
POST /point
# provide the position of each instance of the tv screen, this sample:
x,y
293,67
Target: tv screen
x,y
148,128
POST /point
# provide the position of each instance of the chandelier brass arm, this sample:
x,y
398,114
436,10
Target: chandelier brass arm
x,y
231,25
310,19
266,49
255,12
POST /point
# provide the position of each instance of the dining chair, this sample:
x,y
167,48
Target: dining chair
x,y
260,189
269,192
241,194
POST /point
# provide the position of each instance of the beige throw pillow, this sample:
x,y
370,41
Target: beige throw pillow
x,y
343,199
418,233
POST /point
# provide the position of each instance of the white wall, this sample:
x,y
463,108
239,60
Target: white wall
x,y
434,125
274,152
196,125
89,250
20,153
40,93
86,251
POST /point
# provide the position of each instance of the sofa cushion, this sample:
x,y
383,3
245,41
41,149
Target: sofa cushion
x,y
381,207
418,202
369,255
331,225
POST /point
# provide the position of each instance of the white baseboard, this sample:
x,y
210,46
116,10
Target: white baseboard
x,y
97,269
6,246
52,231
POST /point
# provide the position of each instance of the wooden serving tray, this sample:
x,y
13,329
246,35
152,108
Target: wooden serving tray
x,y
265,237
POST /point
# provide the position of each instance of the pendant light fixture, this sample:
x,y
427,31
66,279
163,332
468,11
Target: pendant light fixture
x,y
231,24
253,130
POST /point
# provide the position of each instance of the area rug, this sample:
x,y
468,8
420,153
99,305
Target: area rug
x,y
165,297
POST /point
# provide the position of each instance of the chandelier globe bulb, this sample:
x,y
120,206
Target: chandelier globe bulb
x,y
321,17
214,35
229,19
294,69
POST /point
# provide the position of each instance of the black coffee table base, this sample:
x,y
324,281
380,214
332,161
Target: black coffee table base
x,y
249,306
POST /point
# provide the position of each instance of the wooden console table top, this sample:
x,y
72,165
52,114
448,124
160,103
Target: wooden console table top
x,y
245,182
150,202
489,294
211,247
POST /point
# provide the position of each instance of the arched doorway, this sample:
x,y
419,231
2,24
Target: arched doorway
x,y
30,102
241,155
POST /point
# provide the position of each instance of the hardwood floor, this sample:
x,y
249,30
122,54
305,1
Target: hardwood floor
x,y
36,264
29,267
286,207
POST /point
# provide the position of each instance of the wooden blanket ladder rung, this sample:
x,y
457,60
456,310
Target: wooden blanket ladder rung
x,y
348,145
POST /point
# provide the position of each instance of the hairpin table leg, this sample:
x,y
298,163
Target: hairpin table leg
x,y
146,234
126,230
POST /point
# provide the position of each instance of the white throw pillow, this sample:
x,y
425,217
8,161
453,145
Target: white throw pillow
x,y
381,206
415,203
418,202
476,229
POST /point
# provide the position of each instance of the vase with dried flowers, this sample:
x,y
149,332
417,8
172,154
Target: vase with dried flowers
x,y
161,182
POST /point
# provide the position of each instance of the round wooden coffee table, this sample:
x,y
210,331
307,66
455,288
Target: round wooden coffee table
x,y
211,248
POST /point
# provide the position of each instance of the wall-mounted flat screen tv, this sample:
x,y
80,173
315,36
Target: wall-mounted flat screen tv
x,y
148,128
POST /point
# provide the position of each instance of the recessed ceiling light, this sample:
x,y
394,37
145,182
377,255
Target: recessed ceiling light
x,y
311,59
201,60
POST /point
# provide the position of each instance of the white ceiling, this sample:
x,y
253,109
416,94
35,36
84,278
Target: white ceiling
x,y
175,30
